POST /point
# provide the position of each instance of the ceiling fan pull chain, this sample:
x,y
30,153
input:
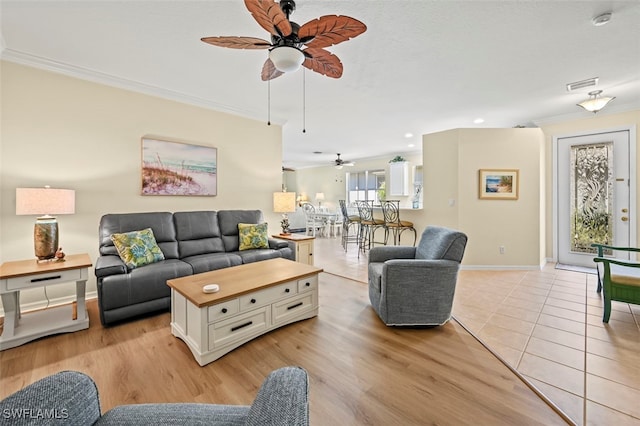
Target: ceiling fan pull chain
x,y
268,102
304,101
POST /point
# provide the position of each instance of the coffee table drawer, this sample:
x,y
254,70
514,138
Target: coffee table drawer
x,y
291,308
239,327
41,280
268,295
223,310
307,284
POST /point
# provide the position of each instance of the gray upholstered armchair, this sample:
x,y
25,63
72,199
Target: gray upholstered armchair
x,y
415,285
71,398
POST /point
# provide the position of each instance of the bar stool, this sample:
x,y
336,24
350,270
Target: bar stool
x,y
368,226
350,226
391,212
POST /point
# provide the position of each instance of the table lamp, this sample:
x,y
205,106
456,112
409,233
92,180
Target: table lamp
x,y
45,202
284,202
319,198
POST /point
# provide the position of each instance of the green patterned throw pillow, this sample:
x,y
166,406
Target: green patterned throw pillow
x,y
253,236
137,248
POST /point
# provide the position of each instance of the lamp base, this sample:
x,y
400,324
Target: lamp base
x,y
45,238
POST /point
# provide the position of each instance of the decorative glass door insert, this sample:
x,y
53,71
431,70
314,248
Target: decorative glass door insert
x,y
591,196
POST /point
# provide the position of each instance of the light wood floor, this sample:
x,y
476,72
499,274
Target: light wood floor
x,y
361,372
548,326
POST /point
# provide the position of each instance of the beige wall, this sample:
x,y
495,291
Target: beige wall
x,y
70,133
592,123
452,161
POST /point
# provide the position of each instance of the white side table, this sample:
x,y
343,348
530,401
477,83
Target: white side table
x,y
25,274
304,246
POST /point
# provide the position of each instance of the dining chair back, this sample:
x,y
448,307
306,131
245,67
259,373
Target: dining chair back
x,y
312,222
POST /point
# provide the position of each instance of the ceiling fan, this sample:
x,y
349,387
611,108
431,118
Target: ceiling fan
x,y
286,52
339,163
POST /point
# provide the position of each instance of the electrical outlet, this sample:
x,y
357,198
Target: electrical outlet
x,y
501,248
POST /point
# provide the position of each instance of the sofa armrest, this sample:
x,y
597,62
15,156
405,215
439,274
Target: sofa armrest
x,y
384,253
282,399
67,398
109,265
275,243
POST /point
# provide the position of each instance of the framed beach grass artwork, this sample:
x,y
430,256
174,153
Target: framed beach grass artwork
x,y
499,184
178,168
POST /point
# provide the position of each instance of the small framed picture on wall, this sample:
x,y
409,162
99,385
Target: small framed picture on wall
x,y
499,184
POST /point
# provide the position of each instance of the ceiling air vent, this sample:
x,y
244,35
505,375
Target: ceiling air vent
x,y
582,84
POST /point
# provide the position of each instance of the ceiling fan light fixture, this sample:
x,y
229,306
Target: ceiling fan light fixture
x,y
595,102
339,166
286,58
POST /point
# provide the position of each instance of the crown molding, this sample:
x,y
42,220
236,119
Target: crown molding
x,y
34,61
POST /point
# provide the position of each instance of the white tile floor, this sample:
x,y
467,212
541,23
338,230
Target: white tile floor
x,y
548,326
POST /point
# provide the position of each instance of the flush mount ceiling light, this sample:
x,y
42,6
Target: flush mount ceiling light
x,y
595,102
601,19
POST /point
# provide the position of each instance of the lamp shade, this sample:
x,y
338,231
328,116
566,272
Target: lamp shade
x,y
319,196
595,102
45,201
284,202
286,58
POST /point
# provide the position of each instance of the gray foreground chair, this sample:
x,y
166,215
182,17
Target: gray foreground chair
x,y
414,286
71,398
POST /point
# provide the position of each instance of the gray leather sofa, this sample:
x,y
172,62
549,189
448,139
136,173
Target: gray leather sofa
x,y
70,398
192,242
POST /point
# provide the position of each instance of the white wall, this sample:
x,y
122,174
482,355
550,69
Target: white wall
x,y
70,133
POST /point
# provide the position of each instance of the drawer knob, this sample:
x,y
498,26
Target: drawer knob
x,y
224,310
286,290
308,284
253,300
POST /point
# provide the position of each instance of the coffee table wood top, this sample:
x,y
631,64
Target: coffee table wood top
x,y
238,280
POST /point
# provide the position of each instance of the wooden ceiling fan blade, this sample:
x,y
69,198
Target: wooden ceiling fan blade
x,y
269,71
269,16
235,42
323,62
329,30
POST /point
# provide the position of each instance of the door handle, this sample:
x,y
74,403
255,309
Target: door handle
x,y
625,210
624,218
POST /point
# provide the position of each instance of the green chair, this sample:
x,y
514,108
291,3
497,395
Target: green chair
x,y
620,279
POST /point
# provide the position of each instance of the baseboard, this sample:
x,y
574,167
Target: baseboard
x,y
500,267
44,304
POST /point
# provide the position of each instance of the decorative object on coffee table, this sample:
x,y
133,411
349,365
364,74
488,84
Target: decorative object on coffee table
x,y
284,202
45,201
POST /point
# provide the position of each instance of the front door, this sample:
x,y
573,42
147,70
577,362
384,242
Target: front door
x,y
593,194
